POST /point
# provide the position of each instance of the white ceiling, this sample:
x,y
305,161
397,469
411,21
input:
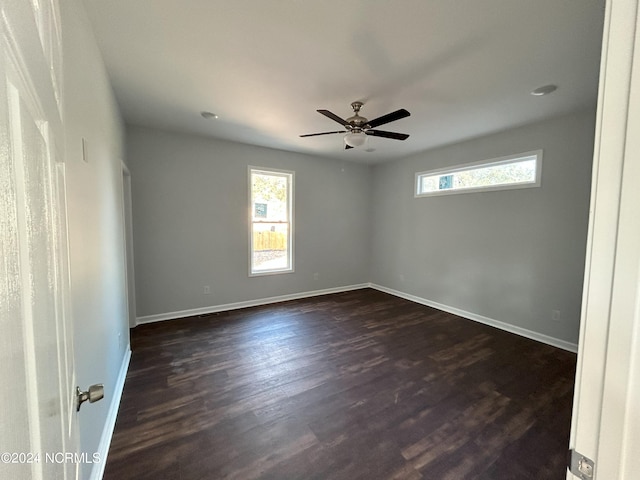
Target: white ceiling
x,y
463,68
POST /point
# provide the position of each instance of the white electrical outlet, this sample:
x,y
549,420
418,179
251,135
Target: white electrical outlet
x,y
555,315
315,276
207,289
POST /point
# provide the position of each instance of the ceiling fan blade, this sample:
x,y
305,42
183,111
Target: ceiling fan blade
x,y
381,133
333,117
389,117
323,133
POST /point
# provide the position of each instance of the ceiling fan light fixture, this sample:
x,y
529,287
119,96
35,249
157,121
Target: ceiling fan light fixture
x,y
355,139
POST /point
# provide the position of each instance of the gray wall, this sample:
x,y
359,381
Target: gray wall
x,y
191,222
511,256
95,221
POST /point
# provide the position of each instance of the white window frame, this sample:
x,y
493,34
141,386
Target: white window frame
x,y
290,175
481,164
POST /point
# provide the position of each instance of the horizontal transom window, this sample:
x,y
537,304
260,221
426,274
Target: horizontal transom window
x,y
514,171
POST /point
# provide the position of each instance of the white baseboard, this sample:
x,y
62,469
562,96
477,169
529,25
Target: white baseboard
x,y
249,303
540,337
107,433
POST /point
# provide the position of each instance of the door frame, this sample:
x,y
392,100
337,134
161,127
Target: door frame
x,y
127,215
607,390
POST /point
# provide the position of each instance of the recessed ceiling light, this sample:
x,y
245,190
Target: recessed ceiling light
x,y
208,115
545,90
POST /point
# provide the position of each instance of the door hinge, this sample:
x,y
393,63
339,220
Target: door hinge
x,y
581,466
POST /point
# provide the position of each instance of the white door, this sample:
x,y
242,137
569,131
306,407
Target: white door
x,y
38,431
606,413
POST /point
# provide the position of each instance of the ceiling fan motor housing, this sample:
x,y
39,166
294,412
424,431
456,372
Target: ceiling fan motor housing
x,y
357,121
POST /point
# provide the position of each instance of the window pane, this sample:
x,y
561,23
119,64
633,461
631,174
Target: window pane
x,y
269,193
270,246
496,175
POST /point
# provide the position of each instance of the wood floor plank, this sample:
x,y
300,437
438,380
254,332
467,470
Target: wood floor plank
x,y
352,385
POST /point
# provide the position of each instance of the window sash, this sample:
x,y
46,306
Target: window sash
x,y
516,159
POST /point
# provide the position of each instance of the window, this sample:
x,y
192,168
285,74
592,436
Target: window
x,y
515,171
271,238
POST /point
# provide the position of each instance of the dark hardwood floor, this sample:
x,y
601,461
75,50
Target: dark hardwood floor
x,y
356,385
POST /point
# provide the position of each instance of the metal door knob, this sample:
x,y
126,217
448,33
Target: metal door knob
x,y
95,393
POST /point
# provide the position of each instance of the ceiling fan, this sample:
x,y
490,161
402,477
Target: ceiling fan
x,y
358,127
